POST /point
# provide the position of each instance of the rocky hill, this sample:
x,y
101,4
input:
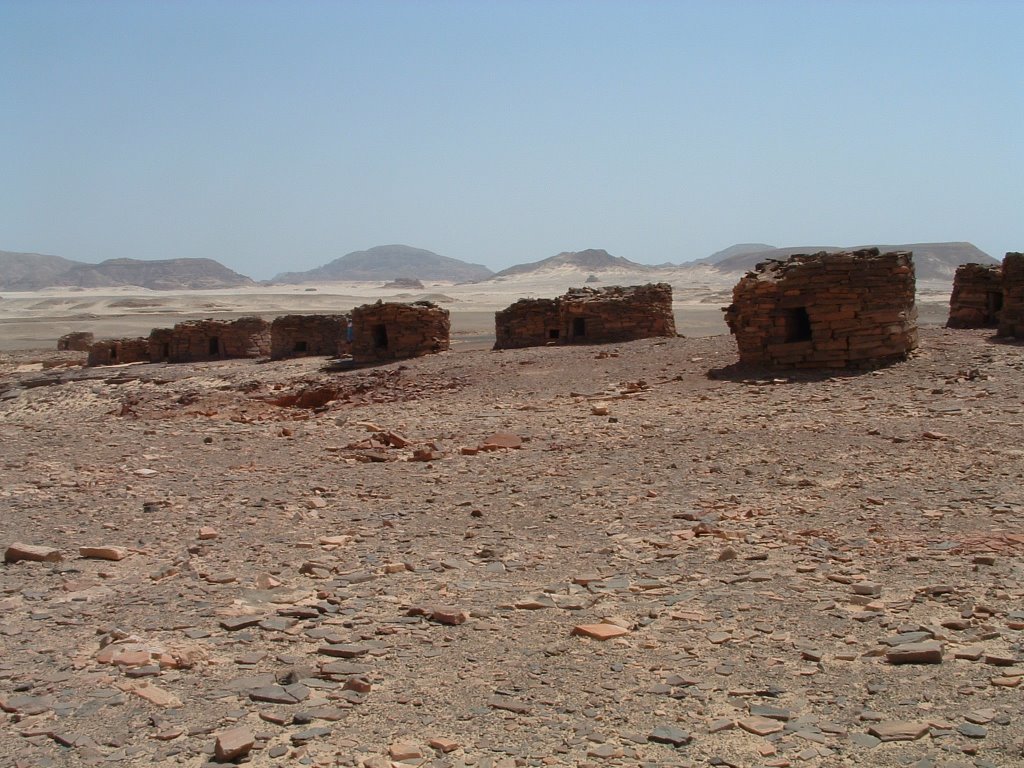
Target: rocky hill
x,y
28,271
387,262
590,260
932,261
33,271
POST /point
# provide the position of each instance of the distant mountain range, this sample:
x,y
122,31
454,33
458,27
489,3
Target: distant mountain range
x,y
388,262
932,261
591,260
35,271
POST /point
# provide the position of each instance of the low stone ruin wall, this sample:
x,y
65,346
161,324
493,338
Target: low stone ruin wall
x,y
587,316
79,341
850,309
117,351
393,331
1011,318
198,340
308,335
977,297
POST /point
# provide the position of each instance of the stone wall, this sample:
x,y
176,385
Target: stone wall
x,y
302,335
977,297
850,309
198,340
587,316
117,351
1011,319
393,331
79,341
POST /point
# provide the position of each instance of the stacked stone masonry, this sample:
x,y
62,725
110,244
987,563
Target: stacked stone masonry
x,y
309,335
198,340
118,351
587,316
1011,318
977,297
79,341
852,309
393,331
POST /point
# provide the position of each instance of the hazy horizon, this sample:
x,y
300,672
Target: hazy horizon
x,y
277,137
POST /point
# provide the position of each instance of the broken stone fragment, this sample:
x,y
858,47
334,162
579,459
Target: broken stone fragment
x,y
669,734
452,616
404,751
103,552
206,533
233,744
443,745
18,551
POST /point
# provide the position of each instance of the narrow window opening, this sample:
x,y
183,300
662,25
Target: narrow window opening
x,y
579,326
214,346
798,325
553,333
301,346
380,336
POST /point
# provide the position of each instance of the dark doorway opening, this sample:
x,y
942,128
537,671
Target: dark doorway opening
x,y
553,333
798,325
214,346
167,351
301,346
380,336
113,353
994,300
579,327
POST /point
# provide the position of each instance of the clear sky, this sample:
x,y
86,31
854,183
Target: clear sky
x,y
277,136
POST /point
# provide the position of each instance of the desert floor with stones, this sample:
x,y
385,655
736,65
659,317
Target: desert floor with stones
x,y
359,567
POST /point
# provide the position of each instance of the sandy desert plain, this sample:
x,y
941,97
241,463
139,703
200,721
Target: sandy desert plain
x,y
581,555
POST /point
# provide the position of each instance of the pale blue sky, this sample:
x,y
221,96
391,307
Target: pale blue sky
x,y
277,136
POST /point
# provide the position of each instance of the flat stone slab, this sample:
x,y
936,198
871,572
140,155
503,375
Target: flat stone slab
x,y
599,631
17,552
928,652
898,730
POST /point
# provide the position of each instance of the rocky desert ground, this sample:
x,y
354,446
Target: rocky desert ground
x,y
617,555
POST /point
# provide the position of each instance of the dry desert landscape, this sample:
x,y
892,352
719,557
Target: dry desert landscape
x,y
614,555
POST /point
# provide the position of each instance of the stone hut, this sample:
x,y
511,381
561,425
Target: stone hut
x,y
79,341
826,310
587,316
308,335
198,340
977,297
392,331
116,351
1011,318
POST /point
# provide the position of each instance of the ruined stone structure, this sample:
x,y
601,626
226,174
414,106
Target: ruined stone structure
x,y
79,341
304,335
587,316
198,340
392,331
116,351
1011,319
977,297
826,310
